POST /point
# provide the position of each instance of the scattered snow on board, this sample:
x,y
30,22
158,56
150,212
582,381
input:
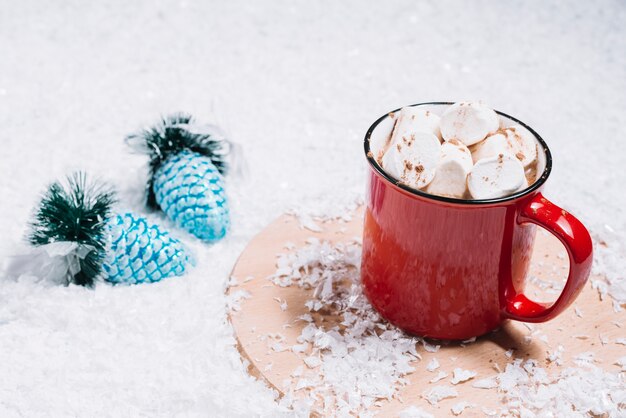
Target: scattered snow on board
x,y
360,359
529,391
357,360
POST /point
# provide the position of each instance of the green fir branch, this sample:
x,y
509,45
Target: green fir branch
x,y
76,212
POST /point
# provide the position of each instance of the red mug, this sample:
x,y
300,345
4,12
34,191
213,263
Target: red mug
x,y
450,268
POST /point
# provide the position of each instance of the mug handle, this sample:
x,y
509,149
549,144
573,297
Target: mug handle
x,y
577,241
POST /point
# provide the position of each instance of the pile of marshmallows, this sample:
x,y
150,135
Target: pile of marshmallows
x,y
464,154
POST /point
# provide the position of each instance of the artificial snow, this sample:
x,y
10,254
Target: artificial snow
x,y
531,391
414,412
439,393
459,407
440,376
358,361
312,361
459,376
431,348
556,356
583,359
487,383
432,365
297,84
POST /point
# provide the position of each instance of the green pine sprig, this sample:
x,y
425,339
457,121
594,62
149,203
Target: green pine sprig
x,y
75,212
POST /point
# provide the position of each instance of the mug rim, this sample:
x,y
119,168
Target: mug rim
x,y
536,185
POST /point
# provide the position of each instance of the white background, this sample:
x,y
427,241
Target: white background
x,y
296,84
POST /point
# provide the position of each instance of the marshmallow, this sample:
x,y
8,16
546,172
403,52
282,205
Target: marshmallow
x,y
495,177
413,159
492,146
416,119
524,185
516,141
452,170
526,144
388,162
468,122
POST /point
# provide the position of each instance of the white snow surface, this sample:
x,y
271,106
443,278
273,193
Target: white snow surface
x,y
297,84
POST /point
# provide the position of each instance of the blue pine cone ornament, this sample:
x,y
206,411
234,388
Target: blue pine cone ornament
x,y
186,179
120,248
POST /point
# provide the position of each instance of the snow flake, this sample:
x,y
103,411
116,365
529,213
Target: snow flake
x,y
489,412
299,348
232,282
556,356
278,347
585,358
431,348
312,362
306,317
233,299
307,222
432,365
459,407
414,412
303,383
438,393
459,376
487,383
469,340
440,376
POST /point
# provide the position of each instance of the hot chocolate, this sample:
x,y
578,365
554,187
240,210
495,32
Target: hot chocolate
x,y
466,152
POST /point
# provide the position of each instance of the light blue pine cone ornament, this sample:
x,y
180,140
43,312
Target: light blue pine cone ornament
x,y
120,248
187,165
140,252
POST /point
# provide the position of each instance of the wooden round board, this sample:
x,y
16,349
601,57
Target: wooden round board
x,y
578,329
